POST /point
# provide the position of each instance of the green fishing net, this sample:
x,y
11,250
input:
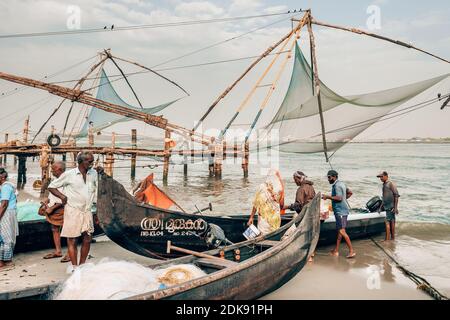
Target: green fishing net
x,y
102,119
298,119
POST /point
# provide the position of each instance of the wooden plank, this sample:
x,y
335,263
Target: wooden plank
x,y
214,263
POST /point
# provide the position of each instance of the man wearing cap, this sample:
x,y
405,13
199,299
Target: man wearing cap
x,y
305,192
339,194
390,203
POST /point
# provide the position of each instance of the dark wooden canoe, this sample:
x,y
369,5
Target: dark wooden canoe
x,y
145,230
37,235
265,265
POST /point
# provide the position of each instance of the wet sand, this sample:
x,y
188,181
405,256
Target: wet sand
x,y
325,278
369,276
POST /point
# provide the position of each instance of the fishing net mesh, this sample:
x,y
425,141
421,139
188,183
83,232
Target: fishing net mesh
x,y
298,119
102,119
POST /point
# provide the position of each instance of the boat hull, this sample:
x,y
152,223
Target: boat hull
x,y
259,274
37,235
145,230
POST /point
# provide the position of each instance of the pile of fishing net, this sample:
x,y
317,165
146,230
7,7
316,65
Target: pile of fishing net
x,y
114,280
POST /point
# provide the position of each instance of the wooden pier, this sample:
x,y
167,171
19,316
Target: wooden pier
x,y
215,152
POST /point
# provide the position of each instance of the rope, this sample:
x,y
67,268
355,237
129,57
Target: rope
x,y
421,283
136,27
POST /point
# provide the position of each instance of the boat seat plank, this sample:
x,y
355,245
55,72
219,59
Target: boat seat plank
x,y
268,243
214,263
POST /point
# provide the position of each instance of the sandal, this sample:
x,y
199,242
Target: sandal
x,y
52,256
65,259
352,255
7,267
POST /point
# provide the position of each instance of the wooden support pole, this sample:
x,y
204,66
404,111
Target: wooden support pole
x,y
245,158
254,63
218,156
224,149
91,135
22,171
113,140
166,156
109,164
185,157
45,168
26,129
317,86
133,156
5,158
109,161
74,158
211,157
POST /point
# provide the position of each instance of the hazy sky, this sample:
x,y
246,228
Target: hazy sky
x,y
349,64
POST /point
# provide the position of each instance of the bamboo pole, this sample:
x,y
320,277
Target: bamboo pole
x,y
153,71
133,156
83,97
274,83
374,35
317,85
261,78
78,85
108,54
252,65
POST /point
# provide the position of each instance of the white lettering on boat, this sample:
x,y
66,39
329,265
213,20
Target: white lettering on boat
x,y
149,226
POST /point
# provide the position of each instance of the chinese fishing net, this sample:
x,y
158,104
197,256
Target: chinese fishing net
x,y
113,280
101,119
298,119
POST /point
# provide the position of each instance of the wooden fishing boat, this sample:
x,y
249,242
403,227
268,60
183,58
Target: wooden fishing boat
x,y
145,229
37,235
264,265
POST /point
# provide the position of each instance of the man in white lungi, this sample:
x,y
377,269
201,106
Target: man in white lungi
x,y
79,198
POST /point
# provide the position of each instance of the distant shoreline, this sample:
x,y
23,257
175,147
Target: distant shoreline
x,y
406,142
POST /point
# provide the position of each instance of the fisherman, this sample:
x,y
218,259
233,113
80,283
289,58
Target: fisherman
x,y
53,210
79,200
305,192
9,226
390,203
339,195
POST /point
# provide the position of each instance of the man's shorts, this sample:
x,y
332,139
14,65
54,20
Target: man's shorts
x,y
390,215
341,222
